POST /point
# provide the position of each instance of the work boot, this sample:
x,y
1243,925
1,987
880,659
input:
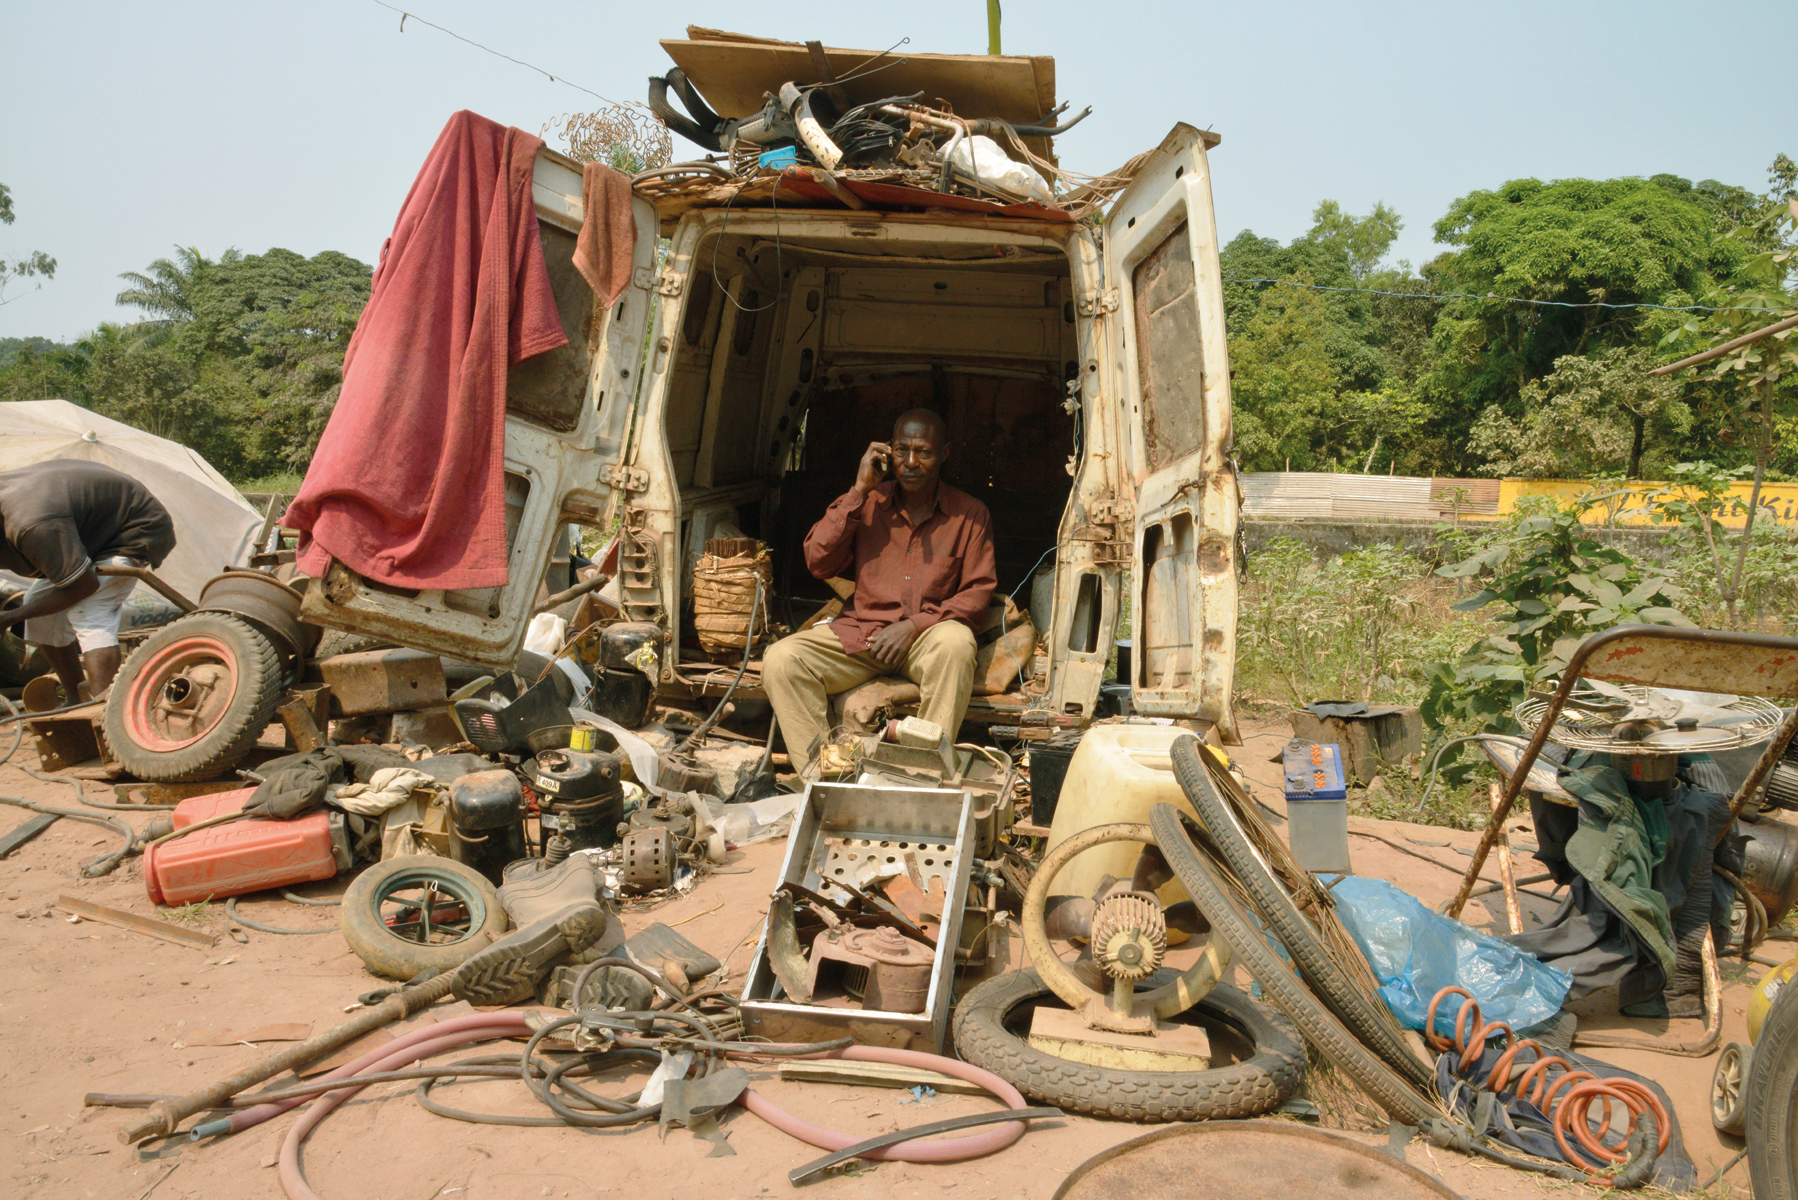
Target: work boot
x,y
554,913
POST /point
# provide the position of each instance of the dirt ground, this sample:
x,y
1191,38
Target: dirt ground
x,y
88,1007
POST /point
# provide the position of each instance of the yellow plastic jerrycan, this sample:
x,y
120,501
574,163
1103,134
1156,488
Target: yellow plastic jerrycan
x,y
1118,773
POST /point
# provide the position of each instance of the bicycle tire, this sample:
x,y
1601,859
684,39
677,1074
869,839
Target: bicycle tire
x,y
1321,1029
1245,1089
1769,1108
1349,1003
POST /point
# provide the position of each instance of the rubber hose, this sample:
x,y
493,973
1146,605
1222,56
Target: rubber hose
x,y
327,902
231,911
413,1045
458,1031
104,865
950,1150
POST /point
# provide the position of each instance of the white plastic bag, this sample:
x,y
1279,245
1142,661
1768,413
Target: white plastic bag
x,y
982,158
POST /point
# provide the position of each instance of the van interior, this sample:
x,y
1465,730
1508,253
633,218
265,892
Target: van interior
x,y
790,358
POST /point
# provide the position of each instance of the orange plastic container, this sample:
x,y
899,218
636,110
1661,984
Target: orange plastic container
x,y
242,856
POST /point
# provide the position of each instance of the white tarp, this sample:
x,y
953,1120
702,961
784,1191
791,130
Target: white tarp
x,y
215,528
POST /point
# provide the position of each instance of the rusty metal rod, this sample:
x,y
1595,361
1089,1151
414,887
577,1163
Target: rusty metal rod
x,y
1704,356
166,1115
573,593
148,576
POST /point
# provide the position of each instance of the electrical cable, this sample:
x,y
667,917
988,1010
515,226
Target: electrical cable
x,y
1436,759
233,914
724,228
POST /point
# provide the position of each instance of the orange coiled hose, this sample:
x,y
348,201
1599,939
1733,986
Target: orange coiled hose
x,y
1569,1112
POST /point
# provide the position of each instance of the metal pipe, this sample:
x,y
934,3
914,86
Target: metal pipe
x,y
1746,339
573,593
1763,766
166,1115
148,576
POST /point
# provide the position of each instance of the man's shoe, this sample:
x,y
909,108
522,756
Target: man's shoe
x,y
555,912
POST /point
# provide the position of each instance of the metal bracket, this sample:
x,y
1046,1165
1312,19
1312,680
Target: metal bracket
x,y
1093,303
626,479
643,277
669,283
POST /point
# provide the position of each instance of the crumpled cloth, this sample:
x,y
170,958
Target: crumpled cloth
x,y
608,238
407,487
390,787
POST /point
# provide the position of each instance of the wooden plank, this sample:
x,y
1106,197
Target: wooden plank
x,y
193,939
871,1074
1507,876
1174,1047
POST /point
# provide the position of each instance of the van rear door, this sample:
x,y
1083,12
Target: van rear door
x,y
1170,375
568,418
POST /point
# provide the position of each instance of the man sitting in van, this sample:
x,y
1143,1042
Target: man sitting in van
x,y
921,554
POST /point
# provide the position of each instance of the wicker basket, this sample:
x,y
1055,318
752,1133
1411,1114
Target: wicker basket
x,y
724,587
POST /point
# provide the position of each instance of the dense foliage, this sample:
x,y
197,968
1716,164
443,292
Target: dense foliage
x,y
240,358
1531,357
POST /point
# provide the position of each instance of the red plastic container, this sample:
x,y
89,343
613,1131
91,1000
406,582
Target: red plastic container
x,y
242,856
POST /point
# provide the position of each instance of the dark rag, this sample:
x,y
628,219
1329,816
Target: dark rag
x,y
408,485
608,237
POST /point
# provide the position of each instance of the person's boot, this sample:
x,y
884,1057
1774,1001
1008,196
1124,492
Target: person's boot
x,y
555,912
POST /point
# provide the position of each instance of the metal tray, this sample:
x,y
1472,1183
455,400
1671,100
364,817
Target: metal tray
x,y
837,819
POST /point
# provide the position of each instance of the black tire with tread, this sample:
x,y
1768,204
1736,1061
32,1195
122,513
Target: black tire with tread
x,y
1321,1029
1772,1091
257,694
1349,1003
387,954
1243,1089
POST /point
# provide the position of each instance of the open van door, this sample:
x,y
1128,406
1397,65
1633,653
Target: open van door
x,y
568,418
1170,376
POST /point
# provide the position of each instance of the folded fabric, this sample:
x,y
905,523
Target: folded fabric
x,y
390,787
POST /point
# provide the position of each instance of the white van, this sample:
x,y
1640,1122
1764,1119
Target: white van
x,y
1082,370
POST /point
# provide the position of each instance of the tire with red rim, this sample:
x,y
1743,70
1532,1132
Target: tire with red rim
x,y
192,700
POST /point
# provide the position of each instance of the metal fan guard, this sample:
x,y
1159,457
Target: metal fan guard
x,y
1572,731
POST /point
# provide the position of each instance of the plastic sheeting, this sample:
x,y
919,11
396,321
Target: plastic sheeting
x,y
1415,953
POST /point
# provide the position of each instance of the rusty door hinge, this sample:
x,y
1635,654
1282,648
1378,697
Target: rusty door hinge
x,y
643,277
669,283
627,479
1093,303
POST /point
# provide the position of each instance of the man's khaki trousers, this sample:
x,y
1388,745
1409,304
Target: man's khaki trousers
x,y
802,672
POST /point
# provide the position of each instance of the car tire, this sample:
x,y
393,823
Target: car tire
x,y
1768,1107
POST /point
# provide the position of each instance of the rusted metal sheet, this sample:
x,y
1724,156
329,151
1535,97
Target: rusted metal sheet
x,y
382,681
1718,661
1226,1160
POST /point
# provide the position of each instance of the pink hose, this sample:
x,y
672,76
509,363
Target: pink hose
x,y
435,1039
976,1145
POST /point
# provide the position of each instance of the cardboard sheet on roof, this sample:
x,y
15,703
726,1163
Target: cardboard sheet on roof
x,y
733,71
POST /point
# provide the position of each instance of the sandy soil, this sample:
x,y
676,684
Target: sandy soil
x,y
87,1007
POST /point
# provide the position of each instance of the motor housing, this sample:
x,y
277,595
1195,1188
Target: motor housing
x,y
486,812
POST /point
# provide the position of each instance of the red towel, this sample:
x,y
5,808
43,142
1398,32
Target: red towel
x,y
408,485
602,253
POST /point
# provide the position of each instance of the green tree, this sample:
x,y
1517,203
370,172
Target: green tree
x,y
169,291
37,264
1362,240
1283,379
1589,417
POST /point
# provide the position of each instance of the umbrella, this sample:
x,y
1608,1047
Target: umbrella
x,y
215,528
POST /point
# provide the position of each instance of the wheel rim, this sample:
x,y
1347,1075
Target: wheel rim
x,y
181,693
429,907
1726,1086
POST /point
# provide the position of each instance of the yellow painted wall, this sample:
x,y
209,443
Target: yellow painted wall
x,y
1779,501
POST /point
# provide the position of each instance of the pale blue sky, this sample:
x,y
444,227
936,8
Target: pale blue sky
x,y
128,128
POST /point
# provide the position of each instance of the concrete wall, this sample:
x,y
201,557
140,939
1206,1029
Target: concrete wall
x,y
1331,538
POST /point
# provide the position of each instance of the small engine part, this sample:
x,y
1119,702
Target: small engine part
x,y
1129,935
649,860
884,969
486,825
581,795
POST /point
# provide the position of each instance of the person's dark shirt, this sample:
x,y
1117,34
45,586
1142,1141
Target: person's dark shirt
x,y
59,517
